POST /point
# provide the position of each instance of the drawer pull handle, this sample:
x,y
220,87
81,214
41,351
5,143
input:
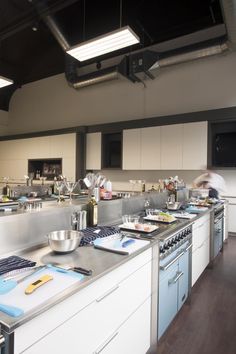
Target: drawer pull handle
x,y
201,245
106,343
172,262
107,293
176,278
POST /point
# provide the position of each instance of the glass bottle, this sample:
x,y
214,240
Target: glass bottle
x,y
92,212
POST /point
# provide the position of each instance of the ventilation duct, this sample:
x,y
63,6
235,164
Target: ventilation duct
x,y
188,54
95,77
146,64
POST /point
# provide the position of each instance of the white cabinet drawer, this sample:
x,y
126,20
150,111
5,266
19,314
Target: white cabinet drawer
x,y
86,330
201,231
200,260
132,337
134,272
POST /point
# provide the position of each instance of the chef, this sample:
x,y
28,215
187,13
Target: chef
x,y
212,181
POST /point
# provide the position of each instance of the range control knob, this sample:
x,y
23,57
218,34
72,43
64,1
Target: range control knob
x,y
166,247
188,231
177,238
162,249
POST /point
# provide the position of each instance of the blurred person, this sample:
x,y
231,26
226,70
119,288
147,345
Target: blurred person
x,y
212,181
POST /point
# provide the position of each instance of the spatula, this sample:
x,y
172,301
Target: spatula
x,y
11,310
8,285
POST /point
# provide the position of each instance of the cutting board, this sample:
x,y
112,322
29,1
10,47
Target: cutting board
x,y
60,282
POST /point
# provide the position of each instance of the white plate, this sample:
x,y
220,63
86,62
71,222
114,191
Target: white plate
x,y
155,218
131,226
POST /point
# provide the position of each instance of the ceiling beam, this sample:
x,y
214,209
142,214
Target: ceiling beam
x,y
29,20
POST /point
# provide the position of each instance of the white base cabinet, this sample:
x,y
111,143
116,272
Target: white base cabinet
x,y
232,215
112,315
201,246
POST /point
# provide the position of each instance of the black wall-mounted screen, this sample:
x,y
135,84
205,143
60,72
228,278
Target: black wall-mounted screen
x,y
112,150
224,149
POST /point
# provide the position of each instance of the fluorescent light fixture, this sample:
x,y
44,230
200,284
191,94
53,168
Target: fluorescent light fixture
x,y
5,82
121,38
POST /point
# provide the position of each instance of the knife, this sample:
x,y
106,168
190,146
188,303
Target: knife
x,y
63,268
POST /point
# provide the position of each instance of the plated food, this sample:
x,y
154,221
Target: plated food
x,y
161,217
138,227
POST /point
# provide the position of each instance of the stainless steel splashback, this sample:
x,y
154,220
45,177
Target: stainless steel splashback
x,y
26,229
110,212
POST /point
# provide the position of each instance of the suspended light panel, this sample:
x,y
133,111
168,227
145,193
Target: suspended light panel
x,y
121,38
5,82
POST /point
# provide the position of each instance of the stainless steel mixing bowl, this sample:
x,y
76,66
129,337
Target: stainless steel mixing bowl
x,y
64,241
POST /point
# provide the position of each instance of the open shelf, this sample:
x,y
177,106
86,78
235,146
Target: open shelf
x,y
49,168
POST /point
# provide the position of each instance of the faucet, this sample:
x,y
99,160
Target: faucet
x,y
74,221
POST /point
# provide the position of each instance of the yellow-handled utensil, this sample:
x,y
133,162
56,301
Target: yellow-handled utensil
x,y
36,284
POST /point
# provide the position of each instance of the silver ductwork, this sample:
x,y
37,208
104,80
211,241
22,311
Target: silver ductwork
x,y
141,64
190,55
53,26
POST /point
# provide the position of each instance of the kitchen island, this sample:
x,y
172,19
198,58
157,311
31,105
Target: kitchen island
x,y
126,287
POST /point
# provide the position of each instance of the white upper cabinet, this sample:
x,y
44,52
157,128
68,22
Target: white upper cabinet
x,y
132,149
171,147
150,148
195,146
93,151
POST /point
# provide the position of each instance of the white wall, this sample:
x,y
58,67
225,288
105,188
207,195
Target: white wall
x,y
196,86
51,104
14,154
120,179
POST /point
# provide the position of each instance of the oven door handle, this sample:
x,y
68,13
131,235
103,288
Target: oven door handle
x,y
172,262
190,246
2,341
176,278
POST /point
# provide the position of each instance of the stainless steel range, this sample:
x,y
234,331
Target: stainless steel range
x,y
174,275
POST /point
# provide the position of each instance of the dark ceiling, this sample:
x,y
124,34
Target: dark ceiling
x,y
27,55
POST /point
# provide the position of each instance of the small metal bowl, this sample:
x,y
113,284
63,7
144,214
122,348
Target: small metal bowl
x,y
64,241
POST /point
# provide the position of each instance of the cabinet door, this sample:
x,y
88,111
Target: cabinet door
x,y
201,231
168,306
200,260
133,337
131,149
231,216
171,147
93,151
195,146
150,148
183,280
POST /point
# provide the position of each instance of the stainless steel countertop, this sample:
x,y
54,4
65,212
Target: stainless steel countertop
x,y
101,262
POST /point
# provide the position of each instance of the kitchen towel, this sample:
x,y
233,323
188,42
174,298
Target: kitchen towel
x,y
14,262
92,233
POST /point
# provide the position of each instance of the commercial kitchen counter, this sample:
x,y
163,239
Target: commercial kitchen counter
x,y
101,262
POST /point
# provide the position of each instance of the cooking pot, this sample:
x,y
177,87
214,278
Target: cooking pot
x,y
64,241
